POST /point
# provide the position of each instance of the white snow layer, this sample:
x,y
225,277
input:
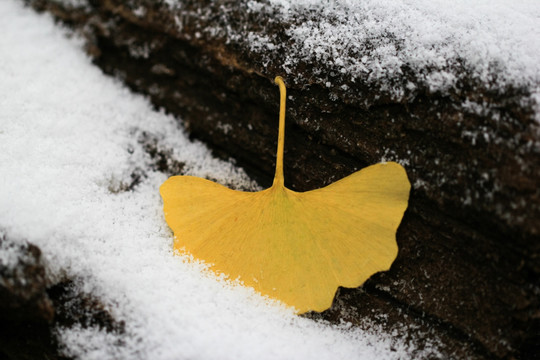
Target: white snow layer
x,y
68,142
402,47
497,40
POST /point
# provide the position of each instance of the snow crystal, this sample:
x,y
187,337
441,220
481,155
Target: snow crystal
x,y
398,48
12,253
70,143
499,41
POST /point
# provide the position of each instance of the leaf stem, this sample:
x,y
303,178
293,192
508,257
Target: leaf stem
x,y
278,177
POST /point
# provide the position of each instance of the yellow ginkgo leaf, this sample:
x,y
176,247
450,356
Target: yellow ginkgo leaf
x,y
296,247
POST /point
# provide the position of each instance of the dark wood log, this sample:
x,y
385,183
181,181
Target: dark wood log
x,y
32,308
468,267
26,311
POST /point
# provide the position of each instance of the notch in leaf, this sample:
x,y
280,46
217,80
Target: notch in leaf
x,y
296,247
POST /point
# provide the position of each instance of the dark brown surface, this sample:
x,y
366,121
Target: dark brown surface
x,y
468,267
26,312
32,309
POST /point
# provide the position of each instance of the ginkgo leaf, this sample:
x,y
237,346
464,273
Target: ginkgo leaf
x,y
296,247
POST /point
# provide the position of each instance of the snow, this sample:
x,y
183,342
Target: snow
x,y
397,49
11,254
70,140
497,42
